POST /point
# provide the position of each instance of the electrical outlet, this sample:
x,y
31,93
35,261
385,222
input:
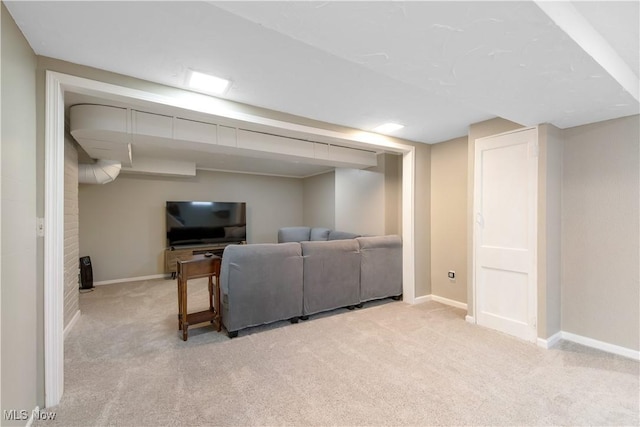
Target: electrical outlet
x,y
451,274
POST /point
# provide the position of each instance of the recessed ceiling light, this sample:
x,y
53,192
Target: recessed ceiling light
x,y
207,83
388,128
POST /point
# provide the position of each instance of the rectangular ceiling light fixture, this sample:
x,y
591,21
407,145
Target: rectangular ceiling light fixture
x,y
207,83
388,128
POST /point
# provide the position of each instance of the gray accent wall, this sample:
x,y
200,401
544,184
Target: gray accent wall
x,y
600,232
20,351
123,228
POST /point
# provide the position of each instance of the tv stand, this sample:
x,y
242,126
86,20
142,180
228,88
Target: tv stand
x,y
174,253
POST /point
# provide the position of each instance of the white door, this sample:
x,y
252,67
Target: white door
x,y
505,233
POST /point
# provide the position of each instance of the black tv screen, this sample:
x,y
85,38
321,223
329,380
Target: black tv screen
x,y
200,223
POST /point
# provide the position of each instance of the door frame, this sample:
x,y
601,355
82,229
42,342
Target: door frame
x,y
532,232
57,84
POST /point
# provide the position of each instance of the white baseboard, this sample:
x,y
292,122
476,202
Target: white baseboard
x,y
130,279
442,300
470,319
579,339
420,300
551,341
601,345
450,302
71,324
31,418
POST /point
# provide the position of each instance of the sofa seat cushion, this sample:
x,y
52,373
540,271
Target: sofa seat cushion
x,y
331,275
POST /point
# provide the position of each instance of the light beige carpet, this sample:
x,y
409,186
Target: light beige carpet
x,y
386,364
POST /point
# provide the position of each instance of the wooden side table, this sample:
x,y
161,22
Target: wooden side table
x,y
196,267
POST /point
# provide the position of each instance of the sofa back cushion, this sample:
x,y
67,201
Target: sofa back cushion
x,y
319,233
381,267
341,235
331,275
294,234
260,283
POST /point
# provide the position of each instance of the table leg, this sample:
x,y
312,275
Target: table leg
x,y
217,306
185,324
179,305
210,292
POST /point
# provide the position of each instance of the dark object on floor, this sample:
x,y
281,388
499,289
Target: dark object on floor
x,y
86,273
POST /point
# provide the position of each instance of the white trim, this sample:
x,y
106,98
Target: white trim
x,y
470,319
408,226
58,83
447,301
131,279
71,324
601,345
31,419
54,241
0,231
551,341
420,300
277,175
224,109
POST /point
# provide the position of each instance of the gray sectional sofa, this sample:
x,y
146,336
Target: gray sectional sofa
x,y
265,283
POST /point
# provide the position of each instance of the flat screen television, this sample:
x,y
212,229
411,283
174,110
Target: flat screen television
x,y
201,223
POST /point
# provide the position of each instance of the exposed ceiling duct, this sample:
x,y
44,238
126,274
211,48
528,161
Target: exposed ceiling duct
x,y
100,172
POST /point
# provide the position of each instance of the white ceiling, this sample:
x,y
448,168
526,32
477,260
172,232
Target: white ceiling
x,y
435,67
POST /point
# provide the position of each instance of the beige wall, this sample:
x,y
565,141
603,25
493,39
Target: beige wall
x,y
122,224
478,130
359,204
71,235
549,229
319,200
422,220
20,354
588,244
600,229
320,196
392,193
449,219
